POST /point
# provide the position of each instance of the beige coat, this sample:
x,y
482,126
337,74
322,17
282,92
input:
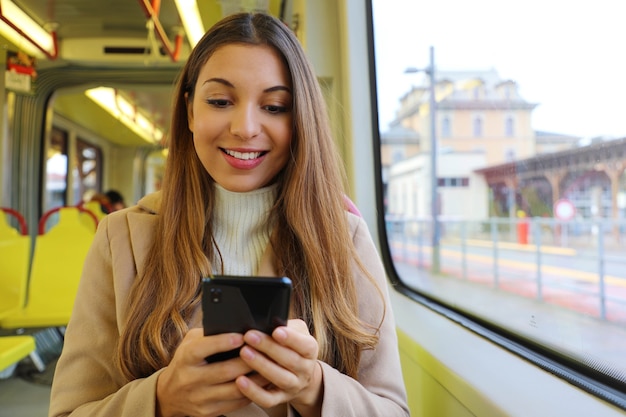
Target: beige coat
x,y
87,384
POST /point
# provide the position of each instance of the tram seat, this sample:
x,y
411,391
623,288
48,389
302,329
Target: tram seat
x,y
96,208
15,262
56,268
13,349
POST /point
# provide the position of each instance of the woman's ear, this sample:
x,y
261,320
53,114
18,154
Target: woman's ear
x,y
189,112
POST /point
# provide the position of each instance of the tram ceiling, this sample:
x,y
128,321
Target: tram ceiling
x,y
118,34
124,32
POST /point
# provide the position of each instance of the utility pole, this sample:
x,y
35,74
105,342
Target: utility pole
x,y
434,206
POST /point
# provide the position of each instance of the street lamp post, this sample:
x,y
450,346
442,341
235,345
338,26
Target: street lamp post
x,y
430,71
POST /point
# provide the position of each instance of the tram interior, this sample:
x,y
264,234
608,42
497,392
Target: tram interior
x,y
103,42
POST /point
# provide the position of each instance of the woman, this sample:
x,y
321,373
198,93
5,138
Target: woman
x,y
252,187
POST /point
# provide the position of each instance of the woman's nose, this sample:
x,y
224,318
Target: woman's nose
x,y
245,122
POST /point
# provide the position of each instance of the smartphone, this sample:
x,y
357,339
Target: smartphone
x,y
236,304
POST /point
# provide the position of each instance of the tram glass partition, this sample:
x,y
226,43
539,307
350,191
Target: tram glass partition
x,y
57,166
503,150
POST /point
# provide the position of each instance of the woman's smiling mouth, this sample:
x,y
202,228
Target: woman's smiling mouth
x,y
242,155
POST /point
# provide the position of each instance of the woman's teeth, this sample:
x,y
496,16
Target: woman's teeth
x,y
243,155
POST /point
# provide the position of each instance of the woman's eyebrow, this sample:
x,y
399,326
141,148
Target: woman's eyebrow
x,y
278,88
219,80
229,84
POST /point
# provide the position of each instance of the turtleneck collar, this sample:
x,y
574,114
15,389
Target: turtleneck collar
x,y
241,228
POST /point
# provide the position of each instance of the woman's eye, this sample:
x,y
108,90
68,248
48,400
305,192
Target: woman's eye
x,y
218,103
276,109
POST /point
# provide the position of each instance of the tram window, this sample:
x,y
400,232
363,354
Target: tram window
x,y
155,165
87,171
537,246
56,170
478,126
445,127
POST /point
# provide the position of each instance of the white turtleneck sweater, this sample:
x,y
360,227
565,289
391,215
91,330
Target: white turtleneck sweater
x,y
241,229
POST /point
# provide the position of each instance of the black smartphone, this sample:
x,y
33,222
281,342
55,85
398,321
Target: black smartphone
x,y
236,304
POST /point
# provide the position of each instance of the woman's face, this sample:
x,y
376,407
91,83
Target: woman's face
x,y
241,116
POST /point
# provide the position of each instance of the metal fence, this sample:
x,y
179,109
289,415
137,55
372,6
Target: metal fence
x,y
544,258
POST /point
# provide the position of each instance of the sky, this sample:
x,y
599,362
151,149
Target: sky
x,y
568,56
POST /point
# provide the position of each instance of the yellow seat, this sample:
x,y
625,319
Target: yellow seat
x,y
96,208
15,261
15,348
55,272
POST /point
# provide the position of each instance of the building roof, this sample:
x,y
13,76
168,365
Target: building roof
x,y
466,90
400,135
490,76
543,136
539,133
596,156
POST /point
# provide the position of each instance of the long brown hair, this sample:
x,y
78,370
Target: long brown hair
x,y
311,238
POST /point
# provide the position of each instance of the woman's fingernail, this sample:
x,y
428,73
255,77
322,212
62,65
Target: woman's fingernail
x,y
247,353
236,340
244,382
280,334
253,338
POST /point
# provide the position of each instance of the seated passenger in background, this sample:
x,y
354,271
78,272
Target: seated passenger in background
x,y
110,201
253,186
103,200
116,200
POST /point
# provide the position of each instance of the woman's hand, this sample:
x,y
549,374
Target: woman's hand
x,y
189,386
288,361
